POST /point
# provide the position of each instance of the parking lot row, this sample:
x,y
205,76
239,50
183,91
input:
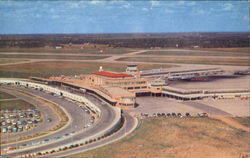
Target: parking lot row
x,y
173,114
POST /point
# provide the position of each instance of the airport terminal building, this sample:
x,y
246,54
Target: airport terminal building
x,y
121,89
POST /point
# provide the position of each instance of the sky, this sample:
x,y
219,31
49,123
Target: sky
x,y
72,16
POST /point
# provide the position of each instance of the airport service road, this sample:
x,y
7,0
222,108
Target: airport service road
x,y
41,127
77,114
128,127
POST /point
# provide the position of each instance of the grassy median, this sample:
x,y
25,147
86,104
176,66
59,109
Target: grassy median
x,y
6,96
15,104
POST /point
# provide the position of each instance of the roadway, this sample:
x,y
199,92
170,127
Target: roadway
x,y
129,125
77,124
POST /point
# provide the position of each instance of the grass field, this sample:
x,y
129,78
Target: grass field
x,y
66,57
72,50
243,120
176,138
196,53
5,61
5,95
194,60
47,69
15,104
236,49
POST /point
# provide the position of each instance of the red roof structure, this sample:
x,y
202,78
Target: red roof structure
x,y
111,74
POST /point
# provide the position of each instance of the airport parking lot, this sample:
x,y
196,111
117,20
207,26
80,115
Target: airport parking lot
x,y
152,105
226,107
19,120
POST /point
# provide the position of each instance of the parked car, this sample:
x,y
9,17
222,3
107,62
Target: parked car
x,y
174,114
204,114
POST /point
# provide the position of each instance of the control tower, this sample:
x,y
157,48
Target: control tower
x,y
131,68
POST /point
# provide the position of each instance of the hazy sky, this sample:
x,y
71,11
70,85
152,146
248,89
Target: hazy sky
x,y
25,17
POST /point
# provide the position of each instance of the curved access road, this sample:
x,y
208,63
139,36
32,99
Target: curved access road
x,y
107,116
130,124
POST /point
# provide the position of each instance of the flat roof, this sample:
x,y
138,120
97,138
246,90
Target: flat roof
x,y
112,74
118,91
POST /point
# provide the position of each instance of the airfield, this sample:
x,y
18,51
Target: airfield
x,y
23,63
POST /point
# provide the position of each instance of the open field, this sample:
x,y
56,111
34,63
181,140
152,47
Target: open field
x,y
194,60
176,138
235,49
245,121
49,68
77,50
196,53
68,57
6,95
15,104
5,61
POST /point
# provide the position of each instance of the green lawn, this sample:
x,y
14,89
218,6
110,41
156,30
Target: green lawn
x,y
15,104
191,60
175,138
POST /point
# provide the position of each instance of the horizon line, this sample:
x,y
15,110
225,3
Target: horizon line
x,y
123,33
